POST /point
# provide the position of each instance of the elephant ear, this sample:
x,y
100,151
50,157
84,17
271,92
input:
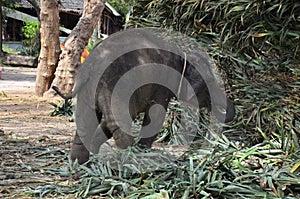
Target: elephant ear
x,y
189,92
199,75
192,85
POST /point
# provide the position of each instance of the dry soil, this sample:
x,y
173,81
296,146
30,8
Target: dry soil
x,y
30,140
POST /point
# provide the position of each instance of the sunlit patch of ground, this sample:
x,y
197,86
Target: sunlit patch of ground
x,y
32,144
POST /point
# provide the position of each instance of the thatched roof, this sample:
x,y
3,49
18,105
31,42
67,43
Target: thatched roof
x,y
75,6
72,5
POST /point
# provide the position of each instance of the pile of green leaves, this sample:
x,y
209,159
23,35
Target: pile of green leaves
x,y
258,28
256,46
223,170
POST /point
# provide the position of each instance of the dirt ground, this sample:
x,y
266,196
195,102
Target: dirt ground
x,y
31,142
34,147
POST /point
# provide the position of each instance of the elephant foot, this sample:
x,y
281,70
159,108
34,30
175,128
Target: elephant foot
x,y
79,151
146,143
123,140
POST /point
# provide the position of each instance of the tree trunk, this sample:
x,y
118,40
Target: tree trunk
x,y
1,52
50,48
76,42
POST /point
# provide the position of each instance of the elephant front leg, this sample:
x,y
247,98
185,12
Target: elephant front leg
x,y
122,139
79,151
111,127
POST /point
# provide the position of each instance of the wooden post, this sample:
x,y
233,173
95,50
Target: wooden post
x,y
50,48
74,46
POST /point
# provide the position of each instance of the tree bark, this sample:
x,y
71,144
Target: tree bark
x,y
50,49
76,42
1,52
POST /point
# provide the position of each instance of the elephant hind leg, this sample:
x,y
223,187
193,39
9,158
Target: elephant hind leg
x,y
150,136
122,139
79,151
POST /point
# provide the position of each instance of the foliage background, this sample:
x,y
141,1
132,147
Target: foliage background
x,y
255,43
31,41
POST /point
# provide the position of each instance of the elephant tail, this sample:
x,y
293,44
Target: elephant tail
x,y
56,89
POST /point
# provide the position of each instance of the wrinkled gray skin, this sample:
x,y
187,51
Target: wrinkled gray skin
x,y
204,85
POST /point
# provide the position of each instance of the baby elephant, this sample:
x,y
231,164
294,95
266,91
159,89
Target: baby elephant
x,y
133,72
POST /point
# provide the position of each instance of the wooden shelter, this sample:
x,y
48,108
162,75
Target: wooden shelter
x,y
69,11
